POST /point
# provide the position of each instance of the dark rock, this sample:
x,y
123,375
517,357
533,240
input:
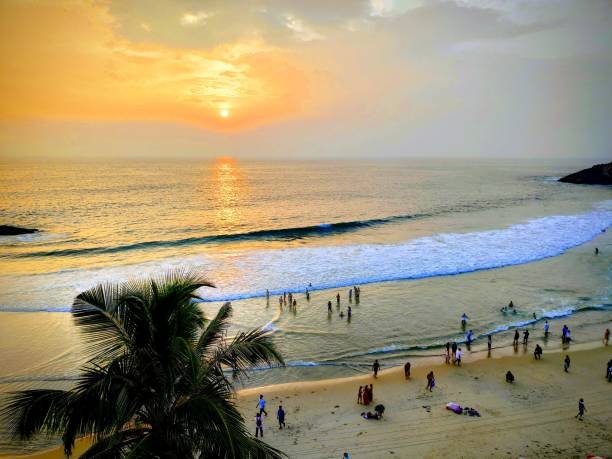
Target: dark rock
x,y
600,174
8,230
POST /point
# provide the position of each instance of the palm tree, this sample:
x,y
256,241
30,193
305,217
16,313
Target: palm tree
x,y
155,385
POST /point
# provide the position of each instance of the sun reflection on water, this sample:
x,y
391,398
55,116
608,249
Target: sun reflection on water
x,y
228,191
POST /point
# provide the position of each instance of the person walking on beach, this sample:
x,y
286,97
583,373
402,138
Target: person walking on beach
x,y
458,356
581,409
258,425
454,350
489,342
525,337
329,308
338,299
537,353
546,329
407,370
261,404
516,338
280,415
606,337
360,396
566,363
375,368
430,381
350,295
294,303
307,295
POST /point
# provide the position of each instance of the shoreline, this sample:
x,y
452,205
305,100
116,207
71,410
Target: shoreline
x,y
316,408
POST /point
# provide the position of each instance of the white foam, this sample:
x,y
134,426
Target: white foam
x,y
244,274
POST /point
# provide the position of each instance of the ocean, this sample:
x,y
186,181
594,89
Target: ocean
x,y
426,240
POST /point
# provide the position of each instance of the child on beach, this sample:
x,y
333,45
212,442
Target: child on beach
x,y
537,353
581,409
258,425
280,415
431,382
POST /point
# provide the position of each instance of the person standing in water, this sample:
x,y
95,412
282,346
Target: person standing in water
x,y
329,308
468,338
375,368
566,363
516,338
464,319
447,355
350,295
349,312
307,295
454,349
596,251
546,329
338,299
606,337
489,342
525,337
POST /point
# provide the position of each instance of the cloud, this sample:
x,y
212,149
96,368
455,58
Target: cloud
x,y
301,31
195,19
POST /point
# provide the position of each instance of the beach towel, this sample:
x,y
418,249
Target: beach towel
x,y
454,407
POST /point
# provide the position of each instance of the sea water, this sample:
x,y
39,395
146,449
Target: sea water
x,y
427,240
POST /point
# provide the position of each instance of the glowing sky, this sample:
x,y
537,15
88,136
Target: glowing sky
x,y
305,79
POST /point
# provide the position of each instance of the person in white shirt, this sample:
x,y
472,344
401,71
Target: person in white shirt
x,y
546,328
458,356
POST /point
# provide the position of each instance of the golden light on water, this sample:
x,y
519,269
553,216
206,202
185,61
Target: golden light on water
x,y
229,190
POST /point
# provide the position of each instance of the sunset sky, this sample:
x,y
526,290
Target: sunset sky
x,y
305,79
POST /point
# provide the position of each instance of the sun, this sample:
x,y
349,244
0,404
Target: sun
x,y
224,113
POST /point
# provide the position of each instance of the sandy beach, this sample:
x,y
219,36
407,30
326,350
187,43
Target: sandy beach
x,y
534,417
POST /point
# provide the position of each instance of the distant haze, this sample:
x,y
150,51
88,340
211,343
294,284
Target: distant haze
x,y
305,79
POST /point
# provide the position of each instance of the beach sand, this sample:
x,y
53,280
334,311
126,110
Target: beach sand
x,y
534,417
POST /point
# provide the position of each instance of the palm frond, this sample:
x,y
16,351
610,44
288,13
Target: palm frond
x,y
31,411
247,349
215,330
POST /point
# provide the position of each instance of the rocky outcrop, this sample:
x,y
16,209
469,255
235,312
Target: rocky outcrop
x,y
8,230
600,174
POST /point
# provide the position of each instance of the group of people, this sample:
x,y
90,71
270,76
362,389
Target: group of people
x,y
365,395
261,405
287,299
509,308
453,353
354,291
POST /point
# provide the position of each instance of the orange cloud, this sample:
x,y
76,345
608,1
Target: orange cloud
x,y
67,61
